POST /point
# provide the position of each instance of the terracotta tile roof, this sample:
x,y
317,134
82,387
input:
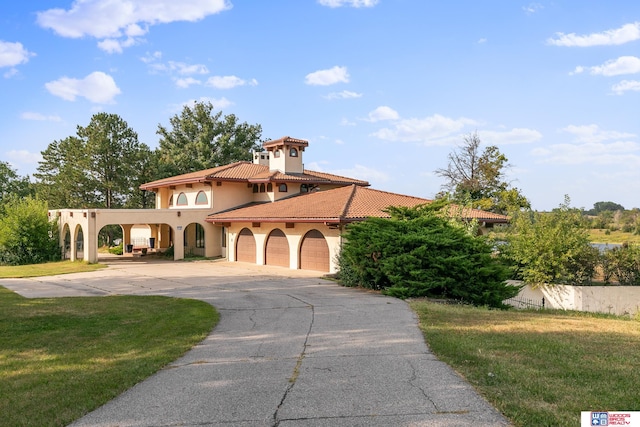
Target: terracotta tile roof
x,y
285,140
340,205
251,172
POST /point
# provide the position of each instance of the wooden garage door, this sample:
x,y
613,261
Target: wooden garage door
x,y
246,246
277,252
314,252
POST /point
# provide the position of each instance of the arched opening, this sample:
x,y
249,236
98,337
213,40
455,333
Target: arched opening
x,y
194,240
79,246
246,246
66,245
314,252
277,249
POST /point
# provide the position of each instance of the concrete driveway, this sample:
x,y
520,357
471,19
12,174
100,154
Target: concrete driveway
x,y
291,349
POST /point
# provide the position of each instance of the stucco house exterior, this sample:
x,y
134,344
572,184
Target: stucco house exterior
x,y
269,211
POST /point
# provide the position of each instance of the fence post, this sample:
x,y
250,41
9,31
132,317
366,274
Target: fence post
x,y
542,302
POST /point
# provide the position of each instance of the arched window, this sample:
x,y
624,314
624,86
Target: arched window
x,y
255,188
269,187
282,188
201,198
182,200
293,152
304,188
262,188
276,153
171,201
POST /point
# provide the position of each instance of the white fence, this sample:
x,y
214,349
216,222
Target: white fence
x,y
620,300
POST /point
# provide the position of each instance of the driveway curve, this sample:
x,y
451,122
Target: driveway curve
x,y
291,349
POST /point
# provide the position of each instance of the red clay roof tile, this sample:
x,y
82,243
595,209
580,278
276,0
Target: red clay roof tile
x,y
340,205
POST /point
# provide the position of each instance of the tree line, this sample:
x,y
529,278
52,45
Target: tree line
x,y
104,163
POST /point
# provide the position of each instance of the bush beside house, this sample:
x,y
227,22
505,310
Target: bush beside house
x,y
421,252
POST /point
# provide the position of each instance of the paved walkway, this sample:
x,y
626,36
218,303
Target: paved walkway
x,y
291,349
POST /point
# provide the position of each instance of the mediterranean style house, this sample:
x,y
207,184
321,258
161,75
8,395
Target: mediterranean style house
x,y
271,211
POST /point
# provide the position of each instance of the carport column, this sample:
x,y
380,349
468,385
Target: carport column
x,y
126,236
90,237
178,243
72,243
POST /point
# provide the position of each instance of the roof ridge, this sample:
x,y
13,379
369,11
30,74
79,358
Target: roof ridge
x,y
347,205
223,168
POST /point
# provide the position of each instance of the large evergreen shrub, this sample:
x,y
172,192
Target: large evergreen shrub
x,y
421,252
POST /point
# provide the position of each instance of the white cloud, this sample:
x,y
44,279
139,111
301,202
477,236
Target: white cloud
x,y
615,67
625,86
28,115
358,172
151,57
97,87
532,8
513,136
597,153
219,104
345,94
429,130
482,41
328,77
352,3
186,82
23,157
12,54
175,67
346,122
229,82
626,33
382,113
119,22
593,134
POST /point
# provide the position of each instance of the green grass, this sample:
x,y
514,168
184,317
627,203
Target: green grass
x,y
601,236
47,269
63,357
539,368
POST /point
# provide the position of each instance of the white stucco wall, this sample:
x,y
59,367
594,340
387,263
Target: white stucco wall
x,y
620,300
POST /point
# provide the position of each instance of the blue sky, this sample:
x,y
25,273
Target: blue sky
x,y
383,90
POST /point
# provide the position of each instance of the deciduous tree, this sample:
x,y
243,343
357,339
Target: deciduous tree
x,y
478,179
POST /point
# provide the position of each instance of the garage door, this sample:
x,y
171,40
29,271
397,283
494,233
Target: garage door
x,y
277,252
246,247
314,252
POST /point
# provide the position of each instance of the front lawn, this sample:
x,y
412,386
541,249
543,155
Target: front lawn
x,y
63,357
47,269
539,368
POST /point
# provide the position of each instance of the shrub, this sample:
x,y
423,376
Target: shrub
x,y
116,250
550,248
622,264
26,234
419,252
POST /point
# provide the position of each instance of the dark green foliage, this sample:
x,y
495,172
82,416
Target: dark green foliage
x,y
421,253
11,184
599,207
199,139
26,234
622,264
101,167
